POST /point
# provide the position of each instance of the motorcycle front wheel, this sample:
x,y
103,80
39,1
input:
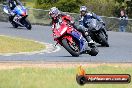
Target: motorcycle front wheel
x,y
26,23
73,48
103,39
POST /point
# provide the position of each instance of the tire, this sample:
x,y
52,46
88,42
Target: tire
x,y
103,40
14,24
94,51
69,49
27,24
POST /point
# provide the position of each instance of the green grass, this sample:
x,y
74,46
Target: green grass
x,y
15,45
29,4
56,77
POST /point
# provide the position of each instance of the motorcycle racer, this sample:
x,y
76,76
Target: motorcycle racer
x,y
86,17
57,16
12,4
58,21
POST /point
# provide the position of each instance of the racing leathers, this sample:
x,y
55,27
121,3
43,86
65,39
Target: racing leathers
x,y
92,21
68,19
12,4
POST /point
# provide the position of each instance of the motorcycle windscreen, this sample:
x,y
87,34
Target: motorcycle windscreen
x,y
79,37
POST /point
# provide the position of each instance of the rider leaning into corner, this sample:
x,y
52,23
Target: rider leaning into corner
x,y
87,16
58,16
12,4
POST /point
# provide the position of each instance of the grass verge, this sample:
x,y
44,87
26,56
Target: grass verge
x,y
29,4
58,77
16,45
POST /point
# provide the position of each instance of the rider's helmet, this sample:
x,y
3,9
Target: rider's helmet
x,y
54,12
12,4
83,10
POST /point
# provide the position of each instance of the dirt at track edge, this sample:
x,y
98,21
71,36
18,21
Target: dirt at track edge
x,y
13,65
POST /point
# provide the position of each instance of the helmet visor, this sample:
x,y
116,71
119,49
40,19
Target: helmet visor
x,y
83,12
52,15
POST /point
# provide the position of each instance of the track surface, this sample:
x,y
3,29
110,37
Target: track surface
x,y
120,49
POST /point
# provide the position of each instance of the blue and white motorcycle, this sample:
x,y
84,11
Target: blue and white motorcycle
x,y
18,16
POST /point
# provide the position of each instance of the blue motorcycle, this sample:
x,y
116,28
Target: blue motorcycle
x,y
18,16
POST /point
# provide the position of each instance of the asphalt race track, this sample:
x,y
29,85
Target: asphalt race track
x,y
120,49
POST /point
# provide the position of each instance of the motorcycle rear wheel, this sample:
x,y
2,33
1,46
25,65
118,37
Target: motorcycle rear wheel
x,y
93,52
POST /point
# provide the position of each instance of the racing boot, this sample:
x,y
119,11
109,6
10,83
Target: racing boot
x,y
85,49
91,43
94,50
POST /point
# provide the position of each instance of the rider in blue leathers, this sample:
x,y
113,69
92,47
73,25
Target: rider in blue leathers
x,y
12,4
87,15
88,19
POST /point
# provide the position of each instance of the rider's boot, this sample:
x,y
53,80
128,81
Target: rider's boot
x,y
91,43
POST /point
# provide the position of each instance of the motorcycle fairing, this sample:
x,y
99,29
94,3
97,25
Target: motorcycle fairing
x,y
79,37
20,10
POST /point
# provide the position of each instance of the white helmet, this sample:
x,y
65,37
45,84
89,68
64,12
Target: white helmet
x,y
83,8
54,12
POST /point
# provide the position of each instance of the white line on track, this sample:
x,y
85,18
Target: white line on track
x,y
50,48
